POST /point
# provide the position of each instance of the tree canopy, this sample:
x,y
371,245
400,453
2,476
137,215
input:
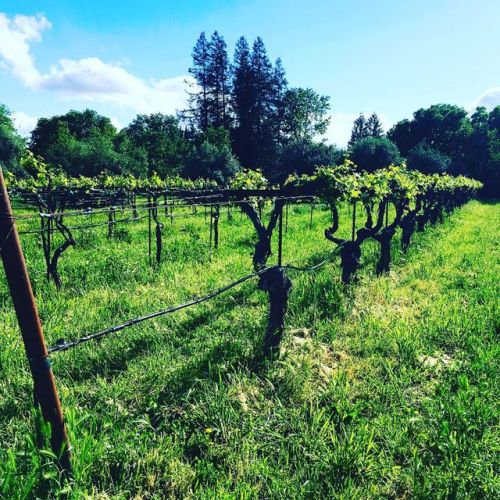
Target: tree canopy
x,y
12,144
162,141
460,143
372,153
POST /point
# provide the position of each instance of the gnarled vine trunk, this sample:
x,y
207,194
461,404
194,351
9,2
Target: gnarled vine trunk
x,y
408,225
385,240
384,237
350,251
262,250
277,284
274,280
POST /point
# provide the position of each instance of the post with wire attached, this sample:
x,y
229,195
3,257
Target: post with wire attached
x,y
45,390
216,226
280,238
211,224
149,228
353,221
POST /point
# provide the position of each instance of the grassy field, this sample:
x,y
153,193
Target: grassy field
x,y
388,388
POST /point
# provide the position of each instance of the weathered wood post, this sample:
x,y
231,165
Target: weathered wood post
x,y
353,221
216,214
280,238
211,224
31,330
149,228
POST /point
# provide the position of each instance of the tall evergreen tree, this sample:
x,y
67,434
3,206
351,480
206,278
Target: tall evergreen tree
x,y
359,130
219,82
262,83
374,126
254,98
262,91
280,85
198,112
242,100
241,93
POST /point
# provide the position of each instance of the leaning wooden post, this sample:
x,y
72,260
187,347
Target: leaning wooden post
x,y
31,330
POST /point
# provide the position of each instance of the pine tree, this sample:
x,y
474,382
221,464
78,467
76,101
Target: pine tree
x,y
280,85
374,126
254,98
262,90
241,91
359,130
262,83
198,112
219,82
242,101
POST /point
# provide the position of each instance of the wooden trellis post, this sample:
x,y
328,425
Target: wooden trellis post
x,y
280,238
216,213
45,390
353,221
149,228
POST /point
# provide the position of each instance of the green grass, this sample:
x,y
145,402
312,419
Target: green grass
x,y
384,389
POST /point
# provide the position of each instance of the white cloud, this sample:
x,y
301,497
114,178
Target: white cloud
x,y
15,33
24,123
489,99
89,79
339,130
92,80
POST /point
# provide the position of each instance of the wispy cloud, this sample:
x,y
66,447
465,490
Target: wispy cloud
x,y
89,79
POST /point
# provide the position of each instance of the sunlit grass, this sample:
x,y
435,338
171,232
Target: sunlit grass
x,y
384,389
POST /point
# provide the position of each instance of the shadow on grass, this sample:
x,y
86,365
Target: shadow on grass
x,y
136,347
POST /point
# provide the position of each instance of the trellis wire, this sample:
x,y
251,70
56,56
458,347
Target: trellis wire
x,y
63,345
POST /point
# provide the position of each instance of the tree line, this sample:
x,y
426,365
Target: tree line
x,y
242,113
442,138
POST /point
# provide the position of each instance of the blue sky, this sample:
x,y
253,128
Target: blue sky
x,y
127,57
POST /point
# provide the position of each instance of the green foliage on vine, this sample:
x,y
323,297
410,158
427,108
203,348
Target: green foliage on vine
x,y
249,179
394,183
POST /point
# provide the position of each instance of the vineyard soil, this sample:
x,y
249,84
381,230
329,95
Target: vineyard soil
x,y
385,388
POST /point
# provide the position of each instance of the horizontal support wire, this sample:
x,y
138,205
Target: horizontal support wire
x,y
63,345
87,226
145,208
89,210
